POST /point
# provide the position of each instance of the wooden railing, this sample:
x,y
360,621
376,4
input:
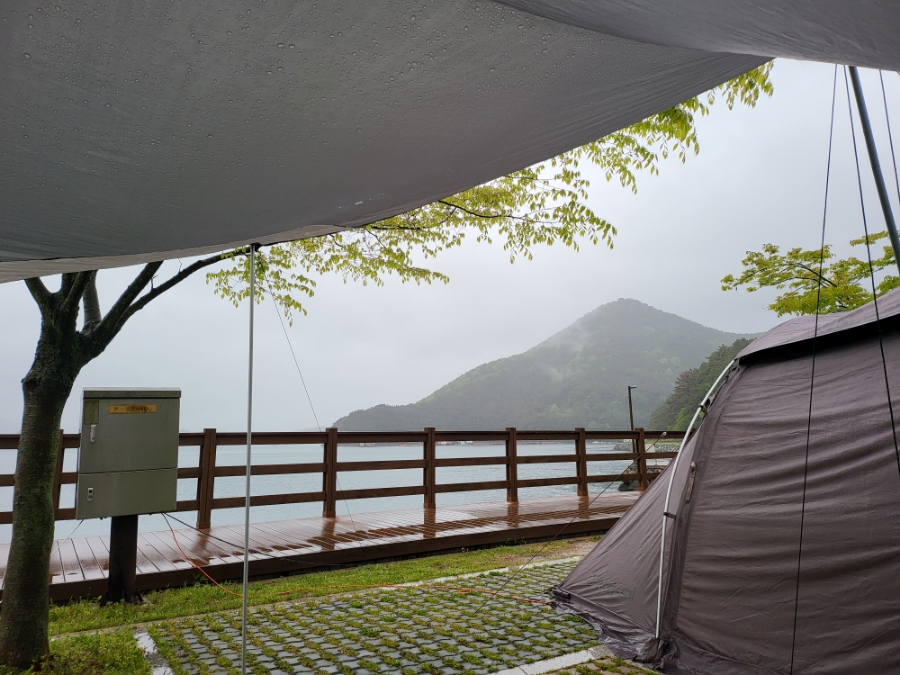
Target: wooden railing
x,y
210,440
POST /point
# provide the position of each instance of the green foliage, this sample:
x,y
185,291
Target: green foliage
x,y
114,653
691,386
844,282
541,205
577,378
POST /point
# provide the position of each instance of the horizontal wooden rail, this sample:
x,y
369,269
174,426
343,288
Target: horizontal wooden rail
x,y
546,459
271,438
640,442
368,493
351,437
611,457
475,436
383,465
268,500
610,477
471,487
469,461
545,482
268,469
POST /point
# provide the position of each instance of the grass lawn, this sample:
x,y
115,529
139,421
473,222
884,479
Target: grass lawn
x,y
90,640
204,598
108,653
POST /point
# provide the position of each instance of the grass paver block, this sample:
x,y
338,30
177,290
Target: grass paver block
x,y
411,630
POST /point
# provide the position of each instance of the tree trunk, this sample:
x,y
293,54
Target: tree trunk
x,y
26,595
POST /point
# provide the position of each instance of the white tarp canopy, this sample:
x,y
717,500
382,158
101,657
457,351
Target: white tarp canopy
x,y
138,131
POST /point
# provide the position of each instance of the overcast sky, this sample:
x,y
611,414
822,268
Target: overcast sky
x,y
759,178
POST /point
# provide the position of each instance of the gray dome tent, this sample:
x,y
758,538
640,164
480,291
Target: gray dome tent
x,y
772,564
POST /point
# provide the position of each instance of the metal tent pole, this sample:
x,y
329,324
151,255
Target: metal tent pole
x,y
672,468
249,445
876,165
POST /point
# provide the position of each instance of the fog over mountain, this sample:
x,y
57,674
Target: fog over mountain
x,y
576,378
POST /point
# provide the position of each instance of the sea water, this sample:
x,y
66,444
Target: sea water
x,y
347,480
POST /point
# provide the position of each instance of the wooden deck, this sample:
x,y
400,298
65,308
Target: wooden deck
x,y
79,568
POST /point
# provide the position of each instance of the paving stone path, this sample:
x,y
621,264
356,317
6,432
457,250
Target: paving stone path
x,y
409,630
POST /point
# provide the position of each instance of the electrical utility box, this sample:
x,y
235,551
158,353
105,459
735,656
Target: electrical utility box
x,y
128,457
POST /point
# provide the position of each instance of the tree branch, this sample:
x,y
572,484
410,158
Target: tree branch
x,y
92,314
473,213
72,296
66,284
174,281
114,318
816,274
42,297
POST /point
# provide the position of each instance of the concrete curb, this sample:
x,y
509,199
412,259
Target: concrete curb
x,y
559,662
472,575
157,663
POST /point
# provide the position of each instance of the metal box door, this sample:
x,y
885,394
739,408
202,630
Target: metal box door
x,y
128,433
102,495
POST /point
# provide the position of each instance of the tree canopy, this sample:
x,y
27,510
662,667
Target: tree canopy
x,y
691,386
540,205
845,282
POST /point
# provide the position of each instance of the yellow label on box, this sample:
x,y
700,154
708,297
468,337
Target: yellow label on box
x,y
132,409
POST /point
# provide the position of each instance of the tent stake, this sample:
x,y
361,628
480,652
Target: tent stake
x,y
876,165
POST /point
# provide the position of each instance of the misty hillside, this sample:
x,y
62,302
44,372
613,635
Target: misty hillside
x,y
577,378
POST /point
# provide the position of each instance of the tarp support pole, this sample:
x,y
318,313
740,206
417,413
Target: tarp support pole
x,y
253,248
876,165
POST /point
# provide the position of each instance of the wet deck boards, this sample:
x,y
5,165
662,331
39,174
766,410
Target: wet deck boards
x,y
79,567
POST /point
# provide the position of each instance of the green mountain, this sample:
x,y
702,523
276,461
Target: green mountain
x,y
577,378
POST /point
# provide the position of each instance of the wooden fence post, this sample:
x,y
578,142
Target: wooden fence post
x,y
642,460
206,482
512,466
429,471
581,462
329,477
57,479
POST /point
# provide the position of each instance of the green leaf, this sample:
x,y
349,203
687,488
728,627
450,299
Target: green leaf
x,y
845,283
541,205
